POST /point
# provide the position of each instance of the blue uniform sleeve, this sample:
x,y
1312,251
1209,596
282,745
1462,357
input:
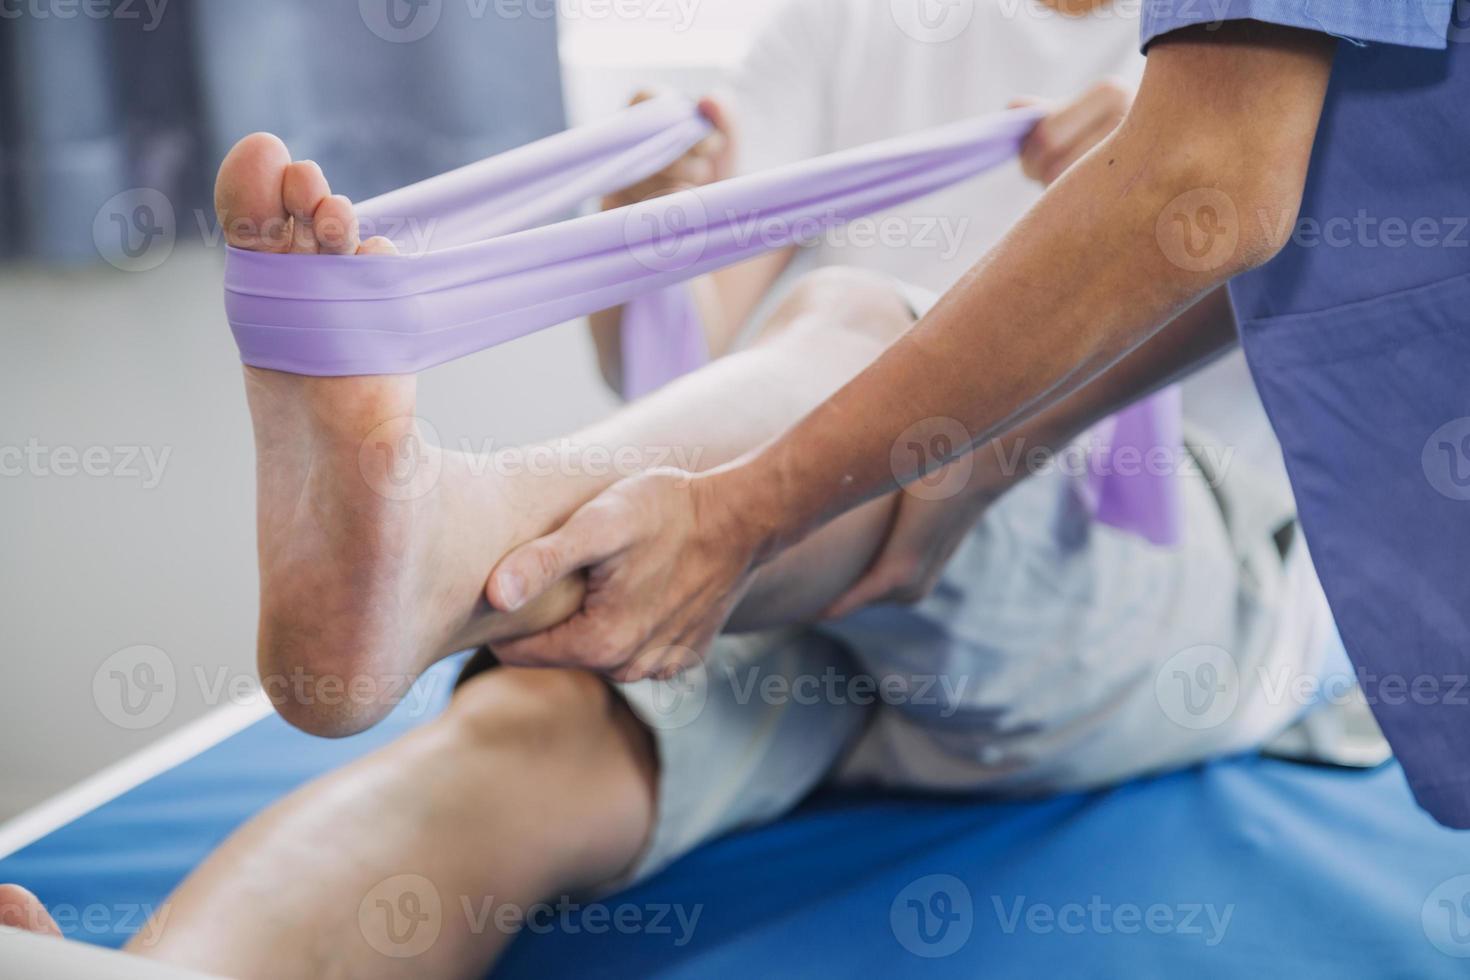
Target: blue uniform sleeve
x,y
1414,23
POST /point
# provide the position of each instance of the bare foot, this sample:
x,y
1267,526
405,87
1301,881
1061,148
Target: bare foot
x,y
373,543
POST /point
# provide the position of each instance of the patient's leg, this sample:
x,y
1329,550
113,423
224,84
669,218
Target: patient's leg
x,y
374,546
418,861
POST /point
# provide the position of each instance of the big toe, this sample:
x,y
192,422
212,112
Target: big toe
x,y
249,194
19,909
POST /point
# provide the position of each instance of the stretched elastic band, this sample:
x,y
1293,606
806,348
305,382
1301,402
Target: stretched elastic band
x,y
478,268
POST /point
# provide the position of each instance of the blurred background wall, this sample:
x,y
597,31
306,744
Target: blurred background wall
x,y
126,468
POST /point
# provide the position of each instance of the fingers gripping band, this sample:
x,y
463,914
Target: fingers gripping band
x,y
479,268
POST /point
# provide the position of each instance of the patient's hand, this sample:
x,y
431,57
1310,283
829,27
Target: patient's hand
x,y
709,160
1072,129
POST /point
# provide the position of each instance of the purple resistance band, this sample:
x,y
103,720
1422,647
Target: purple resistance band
x,y
479,266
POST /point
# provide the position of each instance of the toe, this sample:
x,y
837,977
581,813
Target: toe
x,y
335,226
248,194
303,190
19,909
377,245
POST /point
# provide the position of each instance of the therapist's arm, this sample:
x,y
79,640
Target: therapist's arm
x,y
929,527
1185,194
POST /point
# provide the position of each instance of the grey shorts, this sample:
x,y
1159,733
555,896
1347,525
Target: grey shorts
x,y
1055,654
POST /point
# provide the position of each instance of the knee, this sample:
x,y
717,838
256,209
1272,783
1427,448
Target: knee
x,y
854,300
541,712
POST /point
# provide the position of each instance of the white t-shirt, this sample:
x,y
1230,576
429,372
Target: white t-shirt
x,y
826,75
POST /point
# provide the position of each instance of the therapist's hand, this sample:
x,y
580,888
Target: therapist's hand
x,y
709,160
1070,130
667,560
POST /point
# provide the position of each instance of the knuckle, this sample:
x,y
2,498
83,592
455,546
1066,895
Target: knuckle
x,y
605,655
549,561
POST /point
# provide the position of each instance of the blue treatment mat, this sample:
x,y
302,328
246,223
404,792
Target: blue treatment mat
x,y
1246,867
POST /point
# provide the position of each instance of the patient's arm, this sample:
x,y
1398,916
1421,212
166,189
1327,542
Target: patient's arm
x,y
724,299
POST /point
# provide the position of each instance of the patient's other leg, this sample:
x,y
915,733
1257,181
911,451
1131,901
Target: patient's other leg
x,y
418,861
374,545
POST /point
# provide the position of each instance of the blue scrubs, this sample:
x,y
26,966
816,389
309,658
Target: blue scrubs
x,y
1358,336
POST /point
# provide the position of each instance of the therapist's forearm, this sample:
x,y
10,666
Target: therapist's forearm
x,y
1085,277
1193,339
